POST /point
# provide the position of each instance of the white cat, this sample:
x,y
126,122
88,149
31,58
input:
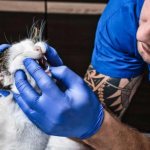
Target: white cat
x,y
16,131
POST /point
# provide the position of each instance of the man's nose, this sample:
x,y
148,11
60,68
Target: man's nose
x,y
143,32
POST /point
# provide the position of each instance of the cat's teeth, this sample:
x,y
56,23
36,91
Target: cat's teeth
x,y
37,61
43,63
48,71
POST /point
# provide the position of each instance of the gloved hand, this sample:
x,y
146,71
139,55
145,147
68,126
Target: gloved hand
x,y
3,47
73,113
52,56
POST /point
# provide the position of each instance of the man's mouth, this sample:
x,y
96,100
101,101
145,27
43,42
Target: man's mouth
x,y
144,51
146,48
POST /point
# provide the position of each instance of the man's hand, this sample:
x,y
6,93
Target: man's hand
x,y
73,113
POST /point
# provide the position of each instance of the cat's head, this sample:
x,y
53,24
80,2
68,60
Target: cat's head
x,y
12,58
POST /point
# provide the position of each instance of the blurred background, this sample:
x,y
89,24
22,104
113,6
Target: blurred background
x,y
70,28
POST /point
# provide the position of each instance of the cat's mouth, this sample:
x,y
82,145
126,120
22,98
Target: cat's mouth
x,y
44,64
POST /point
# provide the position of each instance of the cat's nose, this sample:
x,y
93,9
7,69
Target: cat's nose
x,y
40,46
38,49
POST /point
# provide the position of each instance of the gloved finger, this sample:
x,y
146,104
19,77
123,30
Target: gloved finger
x,y
65,75
4,93
52,56
22,104
42,79
25,89
3,47
29,112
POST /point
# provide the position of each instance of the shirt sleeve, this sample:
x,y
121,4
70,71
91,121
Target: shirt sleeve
x,y
115,51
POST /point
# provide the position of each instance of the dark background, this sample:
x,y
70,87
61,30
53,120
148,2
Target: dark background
x,y
73,37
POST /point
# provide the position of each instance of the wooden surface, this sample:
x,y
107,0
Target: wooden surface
x,y
73,37
52,7
22,6
75,8
83,1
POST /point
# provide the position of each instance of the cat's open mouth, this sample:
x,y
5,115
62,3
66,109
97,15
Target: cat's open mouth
x,y
44,64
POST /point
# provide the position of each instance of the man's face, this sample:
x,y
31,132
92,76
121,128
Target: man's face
x,y
143,33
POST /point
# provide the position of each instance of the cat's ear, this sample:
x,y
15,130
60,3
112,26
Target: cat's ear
x,y
1,80
5,80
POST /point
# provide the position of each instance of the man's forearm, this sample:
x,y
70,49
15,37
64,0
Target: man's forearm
x,y
114,93
114,135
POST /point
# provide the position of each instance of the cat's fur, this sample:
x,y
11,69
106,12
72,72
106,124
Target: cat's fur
x,y
16,131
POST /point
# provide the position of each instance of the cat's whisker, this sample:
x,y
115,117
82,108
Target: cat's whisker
x,y
27,32
42,29
19,37
6,38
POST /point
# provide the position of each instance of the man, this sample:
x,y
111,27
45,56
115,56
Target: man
x,y
116,68
76,111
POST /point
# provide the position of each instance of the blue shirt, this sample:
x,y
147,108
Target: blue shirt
x,y
115,50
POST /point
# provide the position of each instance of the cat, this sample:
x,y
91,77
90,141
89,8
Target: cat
x,y
16,130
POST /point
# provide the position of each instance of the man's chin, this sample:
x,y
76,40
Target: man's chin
x,y
144,53
145,58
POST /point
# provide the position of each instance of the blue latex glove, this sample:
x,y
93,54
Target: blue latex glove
x,y
3,47
73,113
52,56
